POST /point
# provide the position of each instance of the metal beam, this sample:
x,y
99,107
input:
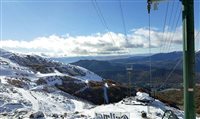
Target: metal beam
x,y
188,58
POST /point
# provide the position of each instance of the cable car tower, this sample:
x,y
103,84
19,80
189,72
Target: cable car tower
x,y
188,54
129,70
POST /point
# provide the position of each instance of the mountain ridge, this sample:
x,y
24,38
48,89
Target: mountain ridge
x,y
116,69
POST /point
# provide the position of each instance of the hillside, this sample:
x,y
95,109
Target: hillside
x,y
38,65
174,96
155,57
162,65
33,87
27,80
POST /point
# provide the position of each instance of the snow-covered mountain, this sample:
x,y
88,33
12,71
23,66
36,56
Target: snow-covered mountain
x,y
27,85
33,87
33,66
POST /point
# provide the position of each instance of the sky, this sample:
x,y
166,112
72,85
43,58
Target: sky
x,y
92,27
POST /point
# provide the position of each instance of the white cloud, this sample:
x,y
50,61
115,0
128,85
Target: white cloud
x,y
96,44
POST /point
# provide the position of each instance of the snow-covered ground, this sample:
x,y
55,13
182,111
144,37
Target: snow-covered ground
x,y
134,108
14,101
11,69
20,95
18,102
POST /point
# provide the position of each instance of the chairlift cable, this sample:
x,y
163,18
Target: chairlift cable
x,y
175,30
174,26
102,19
167,34
164,26
149,21
173,69
150,63
169,75
123,19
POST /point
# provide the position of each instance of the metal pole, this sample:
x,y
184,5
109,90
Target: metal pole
x,y
188,58
129,69
129,80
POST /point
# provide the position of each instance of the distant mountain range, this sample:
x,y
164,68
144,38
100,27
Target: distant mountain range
x,y
162,66
101,58
156,57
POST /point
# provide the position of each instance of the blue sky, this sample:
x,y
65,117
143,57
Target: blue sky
x,y
24,21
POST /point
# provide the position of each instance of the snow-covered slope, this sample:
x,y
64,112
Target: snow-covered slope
x,y
154,110
29,87
11,69
22,94
19,102
17,65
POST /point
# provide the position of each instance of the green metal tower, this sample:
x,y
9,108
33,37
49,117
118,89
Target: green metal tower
x,y
188,55
188,58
